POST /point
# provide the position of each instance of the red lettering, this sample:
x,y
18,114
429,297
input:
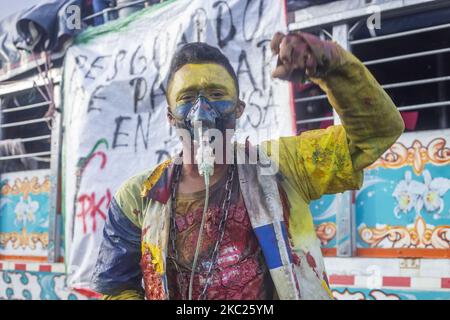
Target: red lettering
x,y
91,208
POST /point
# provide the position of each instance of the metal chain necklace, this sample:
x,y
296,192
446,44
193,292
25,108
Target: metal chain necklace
x,y
215,252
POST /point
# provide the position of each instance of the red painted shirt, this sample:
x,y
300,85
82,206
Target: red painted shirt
x,y
240,272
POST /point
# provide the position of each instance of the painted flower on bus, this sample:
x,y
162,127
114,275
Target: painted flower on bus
x,y
25,211
408,194
413,194
435,190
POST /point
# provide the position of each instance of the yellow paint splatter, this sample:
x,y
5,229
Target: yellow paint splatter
x,y
327,289
153,178
156,256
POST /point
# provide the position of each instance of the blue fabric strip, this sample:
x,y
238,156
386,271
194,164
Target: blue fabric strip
x,y
268,242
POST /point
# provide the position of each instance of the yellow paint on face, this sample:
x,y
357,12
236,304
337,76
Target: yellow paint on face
x,y
210,79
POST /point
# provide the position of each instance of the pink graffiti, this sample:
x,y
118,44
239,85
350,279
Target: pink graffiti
x,y
91,208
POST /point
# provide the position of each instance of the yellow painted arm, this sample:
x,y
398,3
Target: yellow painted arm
x,y
331,160
371,120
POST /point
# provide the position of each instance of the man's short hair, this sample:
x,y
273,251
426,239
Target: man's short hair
x,y
198,53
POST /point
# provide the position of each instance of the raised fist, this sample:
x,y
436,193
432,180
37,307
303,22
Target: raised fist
x,y
302,54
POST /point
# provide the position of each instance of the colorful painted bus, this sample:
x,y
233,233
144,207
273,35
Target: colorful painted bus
x,y
389,240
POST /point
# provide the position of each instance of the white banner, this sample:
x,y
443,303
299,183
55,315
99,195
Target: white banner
x,y
115,107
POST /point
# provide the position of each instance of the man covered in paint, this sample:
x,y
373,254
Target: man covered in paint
x,y
259,239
